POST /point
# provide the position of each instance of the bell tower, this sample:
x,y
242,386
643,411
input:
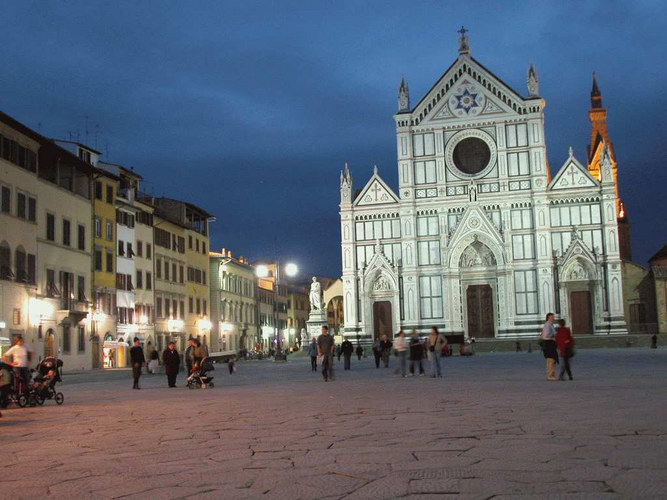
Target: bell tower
x,y
599,134
601,152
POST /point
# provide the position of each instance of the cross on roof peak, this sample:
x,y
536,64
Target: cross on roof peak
x,y
464,46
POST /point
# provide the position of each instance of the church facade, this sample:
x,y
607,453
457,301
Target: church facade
x,y
479,239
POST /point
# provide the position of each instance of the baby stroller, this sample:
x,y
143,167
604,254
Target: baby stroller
x,y
43,387
199,376
13,389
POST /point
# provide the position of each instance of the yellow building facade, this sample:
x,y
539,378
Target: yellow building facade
x,y
113,352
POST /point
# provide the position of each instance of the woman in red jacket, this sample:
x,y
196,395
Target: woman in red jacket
x,y
565,344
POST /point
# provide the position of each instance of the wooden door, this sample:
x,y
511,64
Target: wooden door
x,y
479,299
49,341
382,319
580,307
96,352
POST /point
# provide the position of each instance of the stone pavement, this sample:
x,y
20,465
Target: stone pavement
x,y
493,427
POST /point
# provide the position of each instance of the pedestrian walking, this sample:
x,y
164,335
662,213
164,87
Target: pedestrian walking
x,y
172,362
19,356
347,349
198,353
339,351
385,350
565,344
654,341
548,342
325,349
401,348
138,360
377,352
416,354
312,352
360,351
436,341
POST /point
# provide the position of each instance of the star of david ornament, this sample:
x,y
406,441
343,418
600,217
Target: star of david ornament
x,y
466,101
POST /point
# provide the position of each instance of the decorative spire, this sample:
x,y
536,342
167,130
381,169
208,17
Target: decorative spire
x,y
596,96
532,81
571,152
375,169
403,96
345,178
464,45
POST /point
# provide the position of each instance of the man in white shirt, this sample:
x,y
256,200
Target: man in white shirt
x,y
548,338
21,356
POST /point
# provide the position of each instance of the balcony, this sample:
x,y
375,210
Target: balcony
x,y
71,312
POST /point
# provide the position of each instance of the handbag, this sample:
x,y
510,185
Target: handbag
x,y
319,360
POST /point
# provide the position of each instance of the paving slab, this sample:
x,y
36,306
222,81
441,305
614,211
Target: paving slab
x,y
492,427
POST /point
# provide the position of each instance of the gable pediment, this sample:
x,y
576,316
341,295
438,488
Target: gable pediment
x,y
475,225
467,90
376,192
467,99
572,175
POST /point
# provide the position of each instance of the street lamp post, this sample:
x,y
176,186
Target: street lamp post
x,y
262,271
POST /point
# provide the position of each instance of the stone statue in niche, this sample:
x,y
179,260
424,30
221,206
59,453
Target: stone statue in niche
x,y
477,255
381,285
472,192
577,273
315,295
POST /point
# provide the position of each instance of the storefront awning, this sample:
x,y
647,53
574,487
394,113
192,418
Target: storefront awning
x,y
114,344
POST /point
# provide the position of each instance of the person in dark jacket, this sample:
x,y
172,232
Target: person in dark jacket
x,y
172,362
385,350
360,351
138,360
377,352
416,354
347,349
312,352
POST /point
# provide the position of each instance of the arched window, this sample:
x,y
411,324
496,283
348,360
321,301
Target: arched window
x,y
5,262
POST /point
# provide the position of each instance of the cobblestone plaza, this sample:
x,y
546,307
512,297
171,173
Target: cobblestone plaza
x,y
492,427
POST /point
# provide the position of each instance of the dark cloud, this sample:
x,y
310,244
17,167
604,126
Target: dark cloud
x,y
250,109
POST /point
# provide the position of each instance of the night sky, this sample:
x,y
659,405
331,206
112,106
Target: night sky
x,y
250,109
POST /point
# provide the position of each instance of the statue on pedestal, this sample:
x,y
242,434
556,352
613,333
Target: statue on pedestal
x,y
315,295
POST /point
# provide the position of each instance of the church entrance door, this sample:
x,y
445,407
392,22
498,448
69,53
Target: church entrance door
x,y
580,305
382,319
479,299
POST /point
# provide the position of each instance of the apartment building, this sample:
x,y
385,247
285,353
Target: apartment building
x,y
45,242
233,302
192,241
298,309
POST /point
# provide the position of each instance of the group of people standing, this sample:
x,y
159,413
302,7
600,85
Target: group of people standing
x,y
557,342
322,351
435,347
171,360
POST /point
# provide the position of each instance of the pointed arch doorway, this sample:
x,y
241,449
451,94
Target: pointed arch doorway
x,y
382,322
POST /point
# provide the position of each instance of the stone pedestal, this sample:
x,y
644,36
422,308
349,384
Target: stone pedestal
x,y
314,326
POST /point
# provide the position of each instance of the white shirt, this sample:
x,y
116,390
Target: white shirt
x,y
548,331
400,344
20,355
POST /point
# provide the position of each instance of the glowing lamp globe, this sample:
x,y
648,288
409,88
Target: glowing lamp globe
x,y
291,270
